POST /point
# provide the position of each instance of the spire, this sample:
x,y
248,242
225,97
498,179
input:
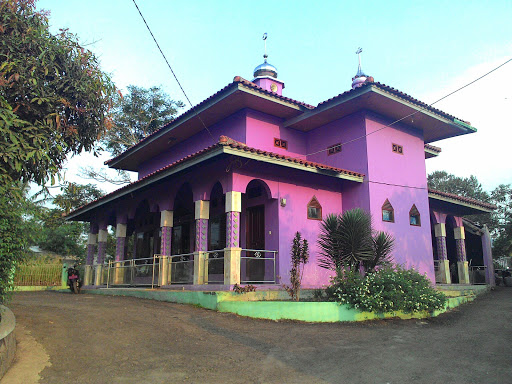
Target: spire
x,y
360,78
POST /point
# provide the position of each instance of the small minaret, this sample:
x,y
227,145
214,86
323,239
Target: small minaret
x,y
360,78
265,75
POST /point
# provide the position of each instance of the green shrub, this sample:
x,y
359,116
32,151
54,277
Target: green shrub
x,y
386,290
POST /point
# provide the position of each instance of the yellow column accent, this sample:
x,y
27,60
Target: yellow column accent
x,y
443,275
202,209
199,267
121,230
463,272
163,277
102,236
233,201
232,265
119,273
166,218
98,278
440,230
458,233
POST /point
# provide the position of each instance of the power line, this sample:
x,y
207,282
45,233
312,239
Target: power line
x,y
169,65
420,110
397,185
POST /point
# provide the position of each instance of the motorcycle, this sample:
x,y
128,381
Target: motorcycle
x,y
74,282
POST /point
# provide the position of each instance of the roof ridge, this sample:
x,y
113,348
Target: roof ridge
x,y
462,198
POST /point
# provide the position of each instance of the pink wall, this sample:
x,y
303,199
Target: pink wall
x,y
262,128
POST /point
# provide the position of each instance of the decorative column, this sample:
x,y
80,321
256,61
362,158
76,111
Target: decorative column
x,y
200,255
233,251
102,249
462,264
166,223
487,256
120,253
442,254
89,261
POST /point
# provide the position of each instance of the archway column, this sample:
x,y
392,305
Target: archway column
x,y
202,214
89,261
232,252
166,224
462,263
442,254
102,249
487,256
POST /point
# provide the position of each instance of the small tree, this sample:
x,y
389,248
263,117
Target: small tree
x,y
300,256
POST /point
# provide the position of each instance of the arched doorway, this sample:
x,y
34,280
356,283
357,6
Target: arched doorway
x,y
260,221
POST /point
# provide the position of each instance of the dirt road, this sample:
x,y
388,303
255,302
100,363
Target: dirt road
x,y
101,339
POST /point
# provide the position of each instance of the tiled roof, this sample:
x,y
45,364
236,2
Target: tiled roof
x,y
433,148
462,199
226,141
397,93
236,80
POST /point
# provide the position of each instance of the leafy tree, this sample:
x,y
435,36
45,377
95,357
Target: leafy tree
x,y
135,116
347,240
462,186
54,99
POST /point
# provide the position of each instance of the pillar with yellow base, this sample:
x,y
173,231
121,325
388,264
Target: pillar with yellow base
x,y
163,277
443,274
88,275
200,275
462,264
119,272
98,276
232,265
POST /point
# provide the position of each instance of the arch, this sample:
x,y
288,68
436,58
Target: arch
x,y
388,212
252,187
314,209
414,216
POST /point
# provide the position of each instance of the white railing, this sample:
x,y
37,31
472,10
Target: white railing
x,y
258,266
181,269
477,274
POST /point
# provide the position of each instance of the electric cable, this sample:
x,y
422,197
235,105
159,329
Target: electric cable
x,y
175,77
418,111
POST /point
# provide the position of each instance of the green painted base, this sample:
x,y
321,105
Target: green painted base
x,y
263,305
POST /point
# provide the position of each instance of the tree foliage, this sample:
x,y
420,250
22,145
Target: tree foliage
x,y
137,115
54,99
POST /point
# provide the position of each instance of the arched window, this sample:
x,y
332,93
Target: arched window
x,y
314,209
414,216
388,213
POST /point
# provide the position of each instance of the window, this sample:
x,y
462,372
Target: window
x,y
333,149
280,143
388,213
314,209
398,149
414,216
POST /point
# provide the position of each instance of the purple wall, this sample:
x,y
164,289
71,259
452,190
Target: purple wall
x,y
234,127
407,174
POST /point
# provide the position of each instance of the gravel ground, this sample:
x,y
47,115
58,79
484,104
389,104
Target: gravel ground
x,y
102,339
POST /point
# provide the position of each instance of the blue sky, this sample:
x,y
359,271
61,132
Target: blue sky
x,y
425,49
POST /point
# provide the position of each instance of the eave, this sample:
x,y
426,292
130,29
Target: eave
x,y
233,98
431,151
457,205
383,100
225,147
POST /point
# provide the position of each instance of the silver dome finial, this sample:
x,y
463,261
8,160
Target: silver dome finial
x,y
265,69
360,78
